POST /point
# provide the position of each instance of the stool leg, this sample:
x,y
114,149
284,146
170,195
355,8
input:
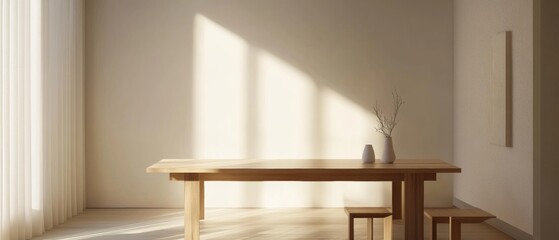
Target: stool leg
x,y
388,228
454,229
433,229
369,229
202,208
351,228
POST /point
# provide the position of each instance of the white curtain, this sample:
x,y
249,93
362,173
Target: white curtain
x,y
42,178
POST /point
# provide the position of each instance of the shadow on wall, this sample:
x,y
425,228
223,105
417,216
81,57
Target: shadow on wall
x,y
288,79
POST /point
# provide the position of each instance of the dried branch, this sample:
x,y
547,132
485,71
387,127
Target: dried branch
x,y
388,123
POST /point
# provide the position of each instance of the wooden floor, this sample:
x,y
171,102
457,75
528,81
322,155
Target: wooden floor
x,y
232,224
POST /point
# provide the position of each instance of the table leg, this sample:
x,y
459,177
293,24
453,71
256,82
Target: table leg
x,y
350,228
191,210
396,199
414,205
388,228
202,203
455,229
433,229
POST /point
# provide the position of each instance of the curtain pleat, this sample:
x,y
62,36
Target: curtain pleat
x,y
42,177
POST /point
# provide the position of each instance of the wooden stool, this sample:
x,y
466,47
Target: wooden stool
x,y
454,217
369,213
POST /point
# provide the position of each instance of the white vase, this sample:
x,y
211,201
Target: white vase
x,y
388,155
368,154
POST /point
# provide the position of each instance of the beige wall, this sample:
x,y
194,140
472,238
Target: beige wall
x,y
138,66
264,79
497,179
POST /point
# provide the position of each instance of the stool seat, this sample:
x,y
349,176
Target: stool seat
x,y
370,213
455,217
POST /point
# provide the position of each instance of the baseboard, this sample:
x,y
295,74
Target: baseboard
x,y
499,224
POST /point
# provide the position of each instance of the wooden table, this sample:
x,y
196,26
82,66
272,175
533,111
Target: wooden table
x,y
195,171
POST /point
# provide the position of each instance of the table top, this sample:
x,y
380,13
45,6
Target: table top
x,y
323,166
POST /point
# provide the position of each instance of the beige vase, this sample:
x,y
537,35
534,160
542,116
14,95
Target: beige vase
x,y
388,155
368,154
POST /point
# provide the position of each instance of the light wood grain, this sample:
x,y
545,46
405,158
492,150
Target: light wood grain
x,y
300,175
369,213
303,166
388,228
473,215
202,200
412,172
370,229
455,217
192,210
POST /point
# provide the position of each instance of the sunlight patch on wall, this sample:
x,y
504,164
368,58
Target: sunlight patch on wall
x,y
286,109
248,103
346,126
219,91
219,100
